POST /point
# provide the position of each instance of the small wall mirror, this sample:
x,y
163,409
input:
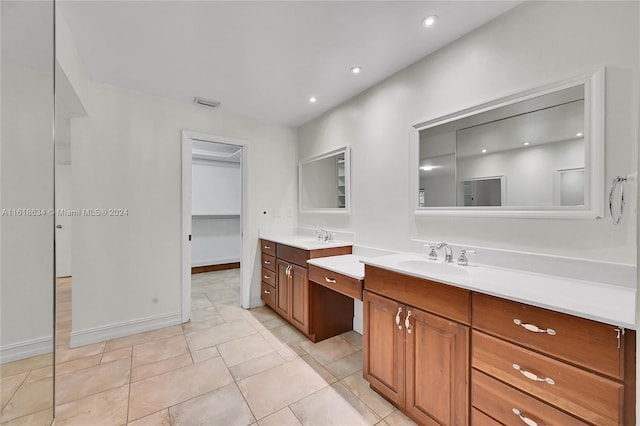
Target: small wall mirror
x,y
323,182
535,154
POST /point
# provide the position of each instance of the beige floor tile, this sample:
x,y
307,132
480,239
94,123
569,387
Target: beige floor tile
x,y
298,349
213,336
322,372
124,353
284,417
244,349
67,355
29,398
137,339
287,334
354,338
264,314
204,354
256,365
89,381
273,323
382,423
345,366
224,406
155,393
230,313
27,364
107,408
142,372
9,385
314,410
367,413
39,374
200,301
360,387
157,350
78,364
397,418
223,295
160,418
278,387
41,418
328,350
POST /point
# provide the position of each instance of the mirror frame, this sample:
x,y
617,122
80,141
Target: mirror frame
x,y
593,208
347,182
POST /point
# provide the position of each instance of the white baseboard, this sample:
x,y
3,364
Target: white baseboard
x,y
210,262
26,349
126,328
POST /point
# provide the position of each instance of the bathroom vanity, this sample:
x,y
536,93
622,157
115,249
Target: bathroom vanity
x,y
292,290
454,355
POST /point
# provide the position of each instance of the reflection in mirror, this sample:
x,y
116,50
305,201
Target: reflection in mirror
x,y
26,224
324,182
530,152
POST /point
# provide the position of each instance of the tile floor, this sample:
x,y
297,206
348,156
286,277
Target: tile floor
x,y
228,366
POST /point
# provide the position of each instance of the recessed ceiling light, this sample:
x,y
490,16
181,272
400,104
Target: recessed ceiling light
x,y
427,168
207,102
484,151
312,99
526,143
429,20
356,70
579,134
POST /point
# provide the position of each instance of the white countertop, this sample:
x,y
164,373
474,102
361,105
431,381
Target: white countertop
x,y
349,264
602,302
303,241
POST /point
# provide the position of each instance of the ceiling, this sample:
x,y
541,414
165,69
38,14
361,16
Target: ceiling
x,y
263,59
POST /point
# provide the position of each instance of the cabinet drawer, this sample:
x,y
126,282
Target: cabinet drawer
x,y
587,343
268,247
292,254
268,294
579,392
269,277
269,262
441,299
500,401
342,284
478,418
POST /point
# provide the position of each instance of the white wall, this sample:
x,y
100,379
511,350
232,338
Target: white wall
x,y
127,154
216,188
216,191
26,271
532,45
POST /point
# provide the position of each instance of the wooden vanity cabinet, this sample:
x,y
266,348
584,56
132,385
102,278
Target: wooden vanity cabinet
x,y
311,310
412,355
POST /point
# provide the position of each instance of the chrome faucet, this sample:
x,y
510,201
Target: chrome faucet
x,y
324,235
448,253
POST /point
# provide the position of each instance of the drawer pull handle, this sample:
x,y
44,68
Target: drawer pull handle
x,y
267,277
329,280
267,262
524,419
398,318
529,375
534,328
267,292
407,324
267,247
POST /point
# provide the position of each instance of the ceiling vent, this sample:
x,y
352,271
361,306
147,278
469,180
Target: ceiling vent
x,y
207,103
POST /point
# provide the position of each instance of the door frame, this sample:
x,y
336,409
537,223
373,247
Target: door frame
x,y
185,196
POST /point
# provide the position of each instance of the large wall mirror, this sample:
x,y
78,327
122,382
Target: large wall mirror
x,y
324,184
535,154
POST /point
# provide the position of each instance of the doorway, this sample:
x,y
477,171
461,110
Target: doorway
x,y
213,188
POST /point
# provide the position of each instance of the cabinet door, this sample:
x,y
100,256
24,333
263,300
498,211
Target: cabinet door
x,y
299,289
437,369
282,289
383,346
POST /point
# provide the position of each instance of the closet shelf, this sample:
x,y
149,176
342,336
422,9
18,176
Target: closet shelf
x,y
215,216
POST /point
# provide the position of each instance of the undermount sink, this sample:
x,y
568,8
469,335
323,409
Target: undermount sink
x,y
430,267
